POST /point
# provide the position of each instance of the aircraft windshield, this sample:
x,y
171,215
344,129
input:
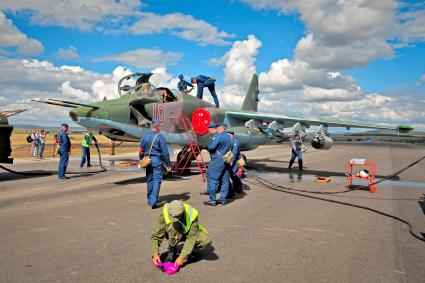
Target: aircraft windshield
x,y
138,84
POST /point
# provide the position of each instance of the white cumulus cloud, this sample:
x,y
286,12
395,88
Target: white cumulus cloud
x,y
351,33
68,54
77,14
143,58
181,25
12,37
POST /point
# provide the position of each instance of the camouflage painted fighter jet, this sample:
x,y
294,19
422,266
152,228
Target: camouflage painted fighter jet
x,y
128,117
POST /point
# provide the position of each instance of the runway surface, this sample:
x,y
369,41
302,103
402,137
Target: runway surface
x,y
97,227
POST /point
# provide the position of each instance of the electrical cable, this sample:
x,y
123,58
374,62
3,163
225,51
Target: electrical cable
x,y
274,187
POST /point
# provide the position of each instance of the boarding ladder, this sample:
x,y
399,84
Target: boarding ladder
x,y
192,151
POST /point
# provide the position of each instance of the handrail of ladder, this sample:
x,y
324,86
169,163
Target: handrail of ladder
x,y
194,148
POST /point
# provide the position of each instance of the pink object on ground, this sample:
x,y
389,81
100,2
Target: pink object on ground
x,y
169,267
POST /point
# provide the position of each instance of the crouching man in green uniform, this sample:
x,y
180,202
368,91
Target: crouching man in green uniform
x,y
178,223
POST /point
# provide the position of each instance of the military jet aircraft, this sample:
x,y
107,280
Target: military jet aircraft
x,y
128,117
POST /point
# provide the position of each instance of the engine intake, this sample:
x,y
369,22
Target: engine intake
x,y
321,141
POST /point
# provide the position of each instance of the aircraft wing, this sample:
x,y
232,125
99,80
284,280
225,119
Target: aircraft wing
x,y
245,116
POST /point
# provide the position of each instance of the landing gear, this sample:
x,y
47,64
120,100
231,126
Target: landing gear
x,y
184,160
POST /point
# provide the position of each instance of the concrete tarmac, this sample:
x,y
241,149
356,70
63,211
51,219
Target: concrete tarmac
x,y
96,227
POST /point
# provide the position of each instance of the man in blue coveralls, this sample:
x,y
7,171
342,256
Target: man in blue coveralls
x,y
296,151
153,144
64,151
212,130
182,85
209,82
217,173
236,186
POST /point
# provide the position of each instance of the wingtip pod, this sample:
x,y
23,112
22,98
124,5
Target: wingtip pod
x,y
250,102
404,128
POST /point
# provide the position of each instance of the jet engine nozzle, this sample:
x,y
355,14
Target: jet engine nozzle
x,y
321,141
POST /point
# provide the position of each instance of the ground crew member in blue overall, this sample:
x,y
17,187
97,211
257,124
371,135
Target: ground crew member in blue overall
x,y
153,144
64,151
209,82
236,186
216,172
296,144
88,140
182,85
178,223
212,130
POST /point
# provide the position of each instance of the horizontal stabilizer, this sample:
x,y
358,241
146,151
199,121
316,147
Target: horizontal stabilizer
x,y
12,112
56,103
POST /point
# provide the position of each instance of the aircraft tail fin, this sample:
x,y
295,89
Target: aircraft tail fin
x,y
250,102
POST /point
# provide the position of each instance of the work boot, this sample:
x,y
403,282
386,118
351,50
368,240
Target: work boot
x,y
300,164
290,164
172,254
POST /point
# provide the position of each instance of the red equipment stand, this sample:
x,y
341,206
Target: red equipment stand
x,y
193,152
370,179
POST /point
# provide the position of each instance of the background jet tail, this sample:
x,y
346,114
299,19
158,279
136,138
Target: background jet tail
x,y
250,102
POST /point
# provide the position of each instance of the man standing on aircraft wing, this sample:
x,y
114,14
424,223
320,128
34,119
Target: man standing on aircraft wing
x,y
220,150
64,151
209,82
154,147
182,85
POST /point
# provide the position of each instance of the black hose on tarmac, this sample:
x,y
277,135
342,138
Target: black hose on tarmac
x,y
48,173
398,172
271,186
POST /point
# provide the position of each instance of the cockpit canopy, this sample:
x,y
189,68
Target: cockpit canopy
x,y
142,88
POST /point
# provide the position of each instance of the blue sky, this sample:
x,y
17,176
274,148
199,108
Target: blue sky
x,y
326,59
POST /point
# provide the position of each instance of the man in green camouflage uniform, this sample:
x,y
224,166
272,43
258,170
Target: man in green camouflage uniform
x,y
178,223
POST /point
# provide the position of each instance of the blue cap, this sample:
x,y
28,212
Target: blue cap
x,y
64,125
222,124
230,132
210,126
181,77
154,122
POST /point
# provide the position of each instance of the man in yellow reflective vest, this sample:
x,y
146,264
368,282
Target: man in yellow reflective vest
x,y
178,223
88,140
